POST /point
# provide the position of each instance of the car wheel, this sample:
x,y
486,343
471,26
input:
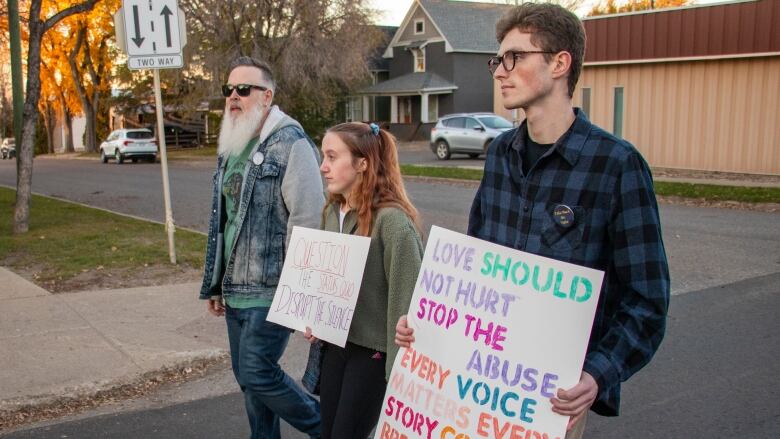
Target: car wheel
x,y
473,155
119,158
151,159
487,145
135,160
442,150
103,156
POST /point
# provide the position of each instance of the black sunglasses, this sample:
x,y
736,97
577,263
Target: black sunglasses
x,y
243,90
508,59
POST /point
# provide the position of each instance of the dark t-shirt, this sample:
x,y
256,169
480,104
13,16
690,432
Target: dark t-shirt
x,y
532,152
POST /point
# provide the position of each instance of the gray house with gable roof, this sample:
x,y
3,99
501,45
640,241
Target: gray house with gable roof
x,y
437,65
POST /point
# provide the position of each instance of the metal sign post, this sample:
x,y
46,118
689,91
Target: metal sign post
x,y
157,33
169,226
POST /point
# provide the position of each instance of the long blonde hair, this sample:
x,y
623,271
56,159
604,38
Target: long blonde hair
x,y
380,185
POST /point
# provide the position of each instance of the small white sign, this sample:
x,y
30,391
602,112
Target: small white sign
x,y
320,282
155,62
151,28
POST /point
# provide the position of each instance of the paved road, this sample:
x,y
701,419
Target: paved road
x,y
706,247
715,375
419,153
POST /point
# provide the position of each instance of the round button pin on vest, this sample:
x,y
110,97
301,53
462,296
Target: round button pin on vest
x,y
563,215
258,158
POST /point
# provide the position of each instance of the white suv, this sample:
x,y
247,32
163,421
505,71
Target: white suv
x,y
133,144
8,148
466,133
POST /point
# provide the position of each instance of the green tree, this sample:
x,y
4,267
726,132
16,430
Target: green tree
x,y
317,48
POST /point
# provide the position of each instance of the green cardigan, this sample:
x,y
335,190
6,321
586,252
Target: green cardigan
x,y
392,265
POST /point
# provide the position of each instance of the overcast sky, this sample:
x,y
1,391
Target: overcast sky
x,y
393,11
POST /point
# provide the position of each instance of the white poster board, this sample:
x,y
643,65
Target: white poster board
x,y
320,282
497,332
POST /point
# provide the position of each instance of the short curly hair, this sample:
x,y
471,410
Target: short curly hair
x,y
552,28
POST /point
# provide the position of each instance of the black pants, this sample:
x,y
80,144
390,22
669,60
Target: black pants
x,y
352,388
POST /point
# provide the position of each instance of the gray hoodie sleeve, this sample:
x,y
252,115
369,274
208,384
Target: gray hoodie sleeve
x,y
302,188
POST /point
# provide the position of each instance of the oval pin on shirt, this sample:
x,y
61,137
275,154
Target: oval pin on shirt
x,y
563,215
258,158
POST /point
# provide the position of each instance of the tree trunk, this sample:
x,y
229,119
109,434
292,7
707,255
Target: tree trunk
x,y
68,124
89,130
50,122
92,140
24,160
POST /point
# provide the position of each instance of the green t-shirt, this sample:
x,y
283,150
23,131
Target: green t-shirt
x,y
232,182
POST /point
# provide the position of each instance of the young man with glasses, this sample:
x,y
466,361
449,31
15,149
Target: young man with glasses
x,y
267,181
561,187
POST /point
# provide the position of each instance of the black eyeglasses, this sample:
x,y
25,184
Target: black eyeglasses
x,y
508,59
243,90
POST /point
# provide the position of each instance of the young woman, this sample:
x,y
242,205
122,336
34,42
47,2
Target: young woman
x,y
366,198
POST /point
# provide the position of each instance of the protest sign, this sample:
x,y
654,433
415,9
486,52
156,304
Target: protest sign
x,y
320,282
497,332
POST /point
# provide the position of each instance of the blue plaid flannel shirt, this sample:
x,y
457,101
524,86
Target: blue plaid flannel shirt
x,y
607,184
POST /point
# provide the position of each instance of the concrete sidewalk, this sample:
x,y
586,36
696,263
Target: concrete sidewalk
x,y
74,344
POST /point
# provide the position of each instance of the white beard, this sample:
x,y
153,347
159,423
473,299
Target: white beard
x,y
236,132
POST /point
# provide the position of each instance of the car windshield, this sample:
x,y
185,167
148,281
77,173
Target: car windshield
x,y
139,135
495,122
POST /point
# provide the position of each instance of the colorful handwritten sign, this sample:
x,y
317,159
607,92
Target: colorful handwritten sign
x,y
497,332
320,282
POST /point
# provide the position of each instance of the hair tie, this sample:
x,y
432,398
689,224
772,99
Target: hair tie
x,y
374,128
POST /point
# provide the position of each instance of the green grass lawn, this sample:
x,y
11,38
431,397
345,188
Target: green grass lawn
x,y
442,172
173,153
186,153
713,192
708,192
66,239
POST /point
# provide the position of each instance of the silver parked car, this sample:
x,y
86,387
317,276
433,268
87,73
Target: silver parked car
x,y
133,144
466,133
8,148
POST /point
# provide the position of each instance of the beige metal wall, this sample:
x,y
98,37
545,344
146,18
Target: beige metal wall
x,y
716,115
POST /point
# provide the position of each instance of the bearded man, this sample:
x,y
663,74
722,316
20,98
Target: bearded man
x,y
267,181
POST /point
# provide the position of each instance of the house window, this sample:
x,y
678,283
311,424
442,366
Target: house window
x,y
433,108
354,109
617,117
419,60
586,101
419,27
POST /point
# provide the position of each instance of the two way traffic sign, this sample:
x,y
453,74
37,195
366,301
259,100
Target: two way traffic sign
x,y
153,33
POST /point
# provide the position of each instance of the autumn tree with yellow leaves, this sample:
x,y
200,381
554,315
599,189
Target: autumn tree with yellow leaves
x,y
40,21
618,7
76,63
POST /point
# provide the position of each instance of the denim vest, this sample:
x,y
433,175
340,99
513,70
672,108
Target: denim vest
x,y
254,266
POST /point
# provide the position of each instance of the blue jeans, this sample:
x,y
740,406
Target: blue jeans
x,y
269,393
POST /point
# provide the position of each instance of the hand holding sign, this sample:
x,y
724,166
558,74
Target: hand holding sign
x,y
319,285
404,335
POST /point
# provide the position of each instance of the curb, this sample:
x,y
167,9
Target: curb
x,y
38,408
